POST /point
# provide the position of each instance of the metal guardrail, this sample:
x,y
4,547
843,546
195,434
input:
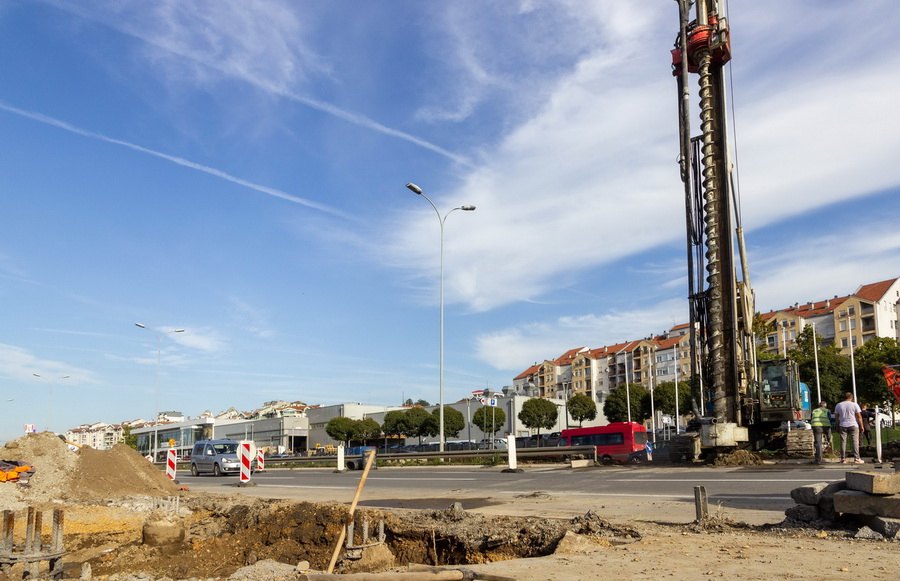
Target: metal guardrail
x,y
552,451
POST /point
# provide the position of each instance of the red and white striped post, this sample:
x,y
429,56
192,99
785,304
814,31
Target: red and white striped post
x,y
246,457
260,460
171,460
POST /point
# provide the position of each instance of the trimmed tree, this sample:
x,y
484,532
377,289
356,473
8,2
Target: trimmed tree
x,y
341,429
538,413
488,419
417,423
454,421
615,408
581,408
367,429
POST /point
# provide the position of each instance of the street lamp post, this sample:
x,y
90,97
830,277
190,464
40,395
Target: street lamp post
x,y
49,397
441,219
627,389
158,356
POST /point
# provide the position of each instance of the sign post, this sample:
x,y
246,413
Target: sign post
x,y
245,454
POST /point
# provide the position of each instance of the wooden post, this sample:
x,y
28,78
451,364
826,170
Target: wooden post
x,y
343,535
701,503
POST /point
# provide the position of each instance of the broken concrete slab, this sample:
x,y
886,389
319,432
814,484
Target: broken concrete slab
x,y
856,502
808,494
874,482
889,527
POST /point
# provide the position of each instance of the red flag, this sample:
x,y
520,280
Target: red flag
x,y
892,375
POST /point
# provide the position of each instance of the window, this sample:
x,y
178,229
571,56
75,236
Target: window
x,y
844,342
842,314
843,326
851,310
852,323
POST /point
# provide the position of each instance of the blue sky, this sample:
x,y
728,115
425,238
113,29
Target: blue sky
x,y
237,169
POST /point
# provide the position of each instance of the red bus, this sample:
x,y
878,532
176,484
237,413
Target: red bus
x,y
619,441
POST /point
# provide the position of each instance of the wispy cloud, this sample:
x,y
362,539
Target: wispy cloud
x,y
17,363
174,159
256,44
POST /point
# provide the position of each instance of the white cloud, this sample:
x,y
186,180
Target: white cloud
x,y
17,363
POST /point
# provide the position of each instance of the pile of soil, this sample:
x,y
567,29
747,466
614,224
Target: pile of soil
x,y
85,475
738,458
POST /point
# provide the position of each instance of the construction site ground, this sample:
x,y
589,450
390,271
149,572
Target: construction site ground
x,y
113,498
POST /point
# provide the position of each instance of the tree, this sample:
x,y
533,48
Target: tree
x,y
128,438
870,358
538,413
454,421
489,419
664,398
581,408
761,330
341,429
416,420
833,368
367,429
615,408
394,423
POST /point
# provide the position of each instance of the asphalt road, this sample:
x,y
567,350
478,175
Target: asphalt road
x,y
756,495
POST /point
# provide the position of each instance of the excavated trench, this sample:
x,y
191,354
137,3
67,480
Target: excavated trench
x,y
223,536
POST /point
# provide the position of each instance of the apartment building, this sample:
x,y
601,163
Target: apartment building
x,y
873,310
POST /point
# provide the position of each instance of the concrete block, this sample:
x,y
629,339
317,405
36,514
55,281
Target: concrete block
x,y
874,482
889,527
584,463
808,494
803,513
856,502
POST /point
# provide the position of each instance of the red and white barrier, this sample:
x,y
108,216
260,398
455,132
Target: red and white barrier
x,y
245,454
171,460
260,461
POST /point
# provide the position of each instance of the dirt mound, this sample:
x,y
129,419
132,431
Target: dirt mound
x,y
738,458
85,475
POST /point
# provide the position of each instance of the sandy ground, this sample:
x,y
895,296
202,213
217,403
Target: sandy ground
x,y
103,527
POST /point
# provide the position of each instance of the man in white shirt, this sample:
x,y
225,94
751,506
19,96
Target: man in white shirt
x,y
849,420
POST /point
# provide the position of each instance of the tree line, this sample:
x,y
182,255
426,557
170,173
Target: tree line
x,y
536,414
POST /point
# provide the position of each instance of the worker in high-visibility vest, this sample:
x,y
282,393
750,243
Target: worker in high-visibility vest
x,y
821,426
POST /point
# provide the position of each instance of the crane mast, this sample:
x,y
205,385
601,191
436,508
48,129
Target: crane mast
x,y
721,305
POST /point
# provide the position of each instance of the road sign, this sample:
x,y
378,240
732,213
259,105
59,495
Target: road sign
x,y
491,401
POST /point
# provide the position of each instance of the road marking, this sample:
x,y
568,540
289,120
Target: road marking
x,y
709,480
691,496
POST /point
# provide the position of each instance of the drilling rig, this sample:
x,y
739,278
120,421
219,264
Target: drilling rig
x,y
739,402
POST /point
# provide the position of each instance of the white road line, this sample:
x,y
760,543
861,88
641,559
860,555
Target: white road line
x,y
676,496
633,480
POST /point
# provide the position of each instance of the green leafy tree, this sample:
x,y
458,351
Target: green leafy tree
x,y
366,429
489,419
417,423
394,423
762,329
664,398
870,358
128,438
341,429
538,413
833,368
615,408
454,422
581,408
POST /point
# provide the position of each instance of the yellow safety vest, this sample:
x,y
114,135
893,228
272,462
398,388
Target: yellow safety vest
x,y
820,418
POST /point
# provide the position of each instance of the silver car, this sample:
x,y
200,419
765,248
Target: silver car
x,y
217,457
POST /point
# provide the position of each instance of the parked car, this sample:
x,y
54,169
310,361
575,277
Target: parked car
x,y
885,420
493,444
216,457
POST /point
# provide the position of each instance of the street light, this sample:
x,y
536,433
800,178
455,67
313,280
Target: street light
x,y
441,219
627,389
49,397
158,355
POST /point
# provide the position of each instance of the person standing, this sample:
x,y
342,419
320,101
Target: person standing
x,y
821,426
868,422
849,419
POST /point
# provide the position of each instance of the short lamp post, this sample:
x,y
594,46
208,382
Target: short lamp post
x,y
49,397
441,219
158,357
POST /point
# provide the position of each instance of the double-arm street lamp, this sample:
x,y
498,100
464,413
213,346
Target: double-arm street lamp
x,y
49,397
158,356
441,219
